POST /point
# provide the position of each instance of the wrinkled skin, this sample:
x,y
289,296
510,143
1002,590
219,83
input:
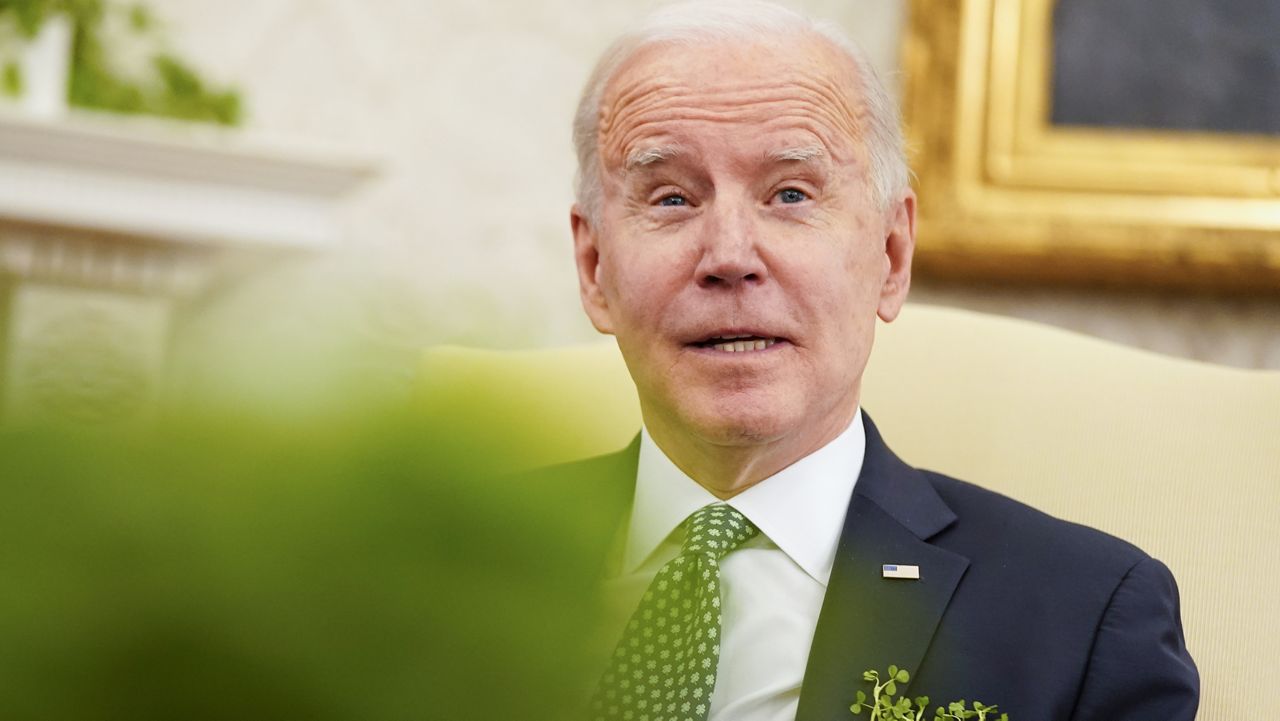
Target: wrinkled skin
x,y
736,202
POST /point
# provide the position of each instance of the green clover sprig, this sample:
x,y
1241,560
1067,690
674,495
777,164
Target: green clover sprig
x,y
884,702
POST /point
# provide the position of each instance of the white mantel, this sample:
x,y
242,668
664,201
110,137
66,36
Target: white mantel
x,y
171,182
108,223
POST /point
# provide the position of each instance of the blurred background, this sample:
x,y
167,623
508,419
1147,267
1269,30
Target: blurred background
x,y
350,182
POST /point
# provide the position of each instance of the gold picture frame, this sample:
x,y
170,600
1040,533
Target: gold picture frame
x,y
1005,195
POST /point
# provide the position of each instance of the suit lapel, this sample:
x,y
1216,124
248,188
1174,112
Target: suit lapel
x,y
867,621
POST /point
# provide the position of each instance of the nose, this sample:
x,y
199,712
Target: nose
x,y
730,249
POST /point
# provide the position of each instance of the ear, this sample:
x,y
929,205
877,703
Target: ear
x,y
586,254
899,246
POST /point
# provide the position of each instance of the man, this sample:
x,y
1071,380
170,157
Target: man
x,y
743,216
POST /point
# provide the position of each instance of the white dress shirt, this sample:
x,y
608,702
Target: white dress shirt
x,y
773,585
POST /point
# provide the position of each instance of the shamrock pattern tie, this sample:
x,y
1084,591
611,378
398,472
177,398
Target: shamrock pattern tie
x,y
664,668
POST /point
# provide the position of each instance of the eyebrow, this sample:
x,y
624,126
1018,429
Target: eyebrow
x,y
802,153
642,157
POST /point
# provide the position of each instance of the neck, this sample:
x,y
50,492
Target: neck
x,y
727,469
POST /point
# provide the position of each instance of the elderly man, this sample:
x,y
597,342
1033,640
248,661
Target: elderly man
x,y
743,217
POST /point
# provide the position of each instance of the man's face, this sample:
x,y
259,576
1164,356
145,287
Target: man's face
x,y
739,256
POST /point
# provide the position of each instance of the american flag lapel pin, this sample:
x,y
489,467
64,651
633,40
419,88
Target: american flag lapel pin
x,y
898,570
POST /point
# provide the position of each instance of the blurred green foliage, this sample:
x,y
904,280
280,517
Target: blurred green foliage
x,y
172,89
11,84
30,14
341,568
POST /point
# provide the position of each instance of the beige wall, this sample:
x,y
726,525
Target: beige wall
x,y
465,237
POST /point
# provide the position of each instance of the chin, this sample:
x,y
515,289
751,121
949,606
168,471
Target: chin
x,y
749,426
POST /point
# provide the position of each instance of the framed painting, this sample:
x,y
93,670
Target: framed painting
x,y
1096,142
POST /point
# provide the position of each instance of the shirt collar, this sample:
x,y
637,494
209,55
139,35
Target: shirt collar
x,y
800,509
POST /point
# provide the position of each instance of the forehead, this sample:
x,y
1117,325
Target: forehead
x,y
794,90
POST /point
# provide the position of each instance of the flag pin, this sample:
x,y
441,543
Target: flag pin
x,y
893,570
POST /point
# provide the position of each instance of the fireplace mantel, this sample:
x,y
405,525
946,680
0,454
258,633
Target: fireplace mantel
x,y
108,225
172,182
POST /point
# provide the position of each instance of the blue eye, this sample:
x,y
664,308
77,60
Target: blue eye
x,y
673,200
791,195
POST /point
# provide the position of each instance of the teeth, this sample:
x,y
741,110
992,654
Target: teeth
x,y
739,346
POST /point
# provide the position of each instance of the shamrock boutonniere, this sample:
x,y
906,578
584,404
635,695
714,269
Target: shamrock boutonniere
x,y
884,702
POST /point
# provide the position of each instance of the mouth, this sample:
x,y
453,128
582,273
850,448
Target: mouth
x,y
730,342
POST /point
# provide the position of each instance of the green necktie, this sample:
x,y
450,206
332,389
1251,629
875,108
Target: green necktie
x,y
664,668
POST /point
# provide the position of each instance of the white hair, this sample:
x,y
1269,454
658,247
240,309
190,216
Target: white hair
x,y
701,21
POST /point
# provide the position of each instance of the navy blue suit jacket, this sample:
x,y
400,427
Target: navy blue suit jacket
x,y
1049,620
